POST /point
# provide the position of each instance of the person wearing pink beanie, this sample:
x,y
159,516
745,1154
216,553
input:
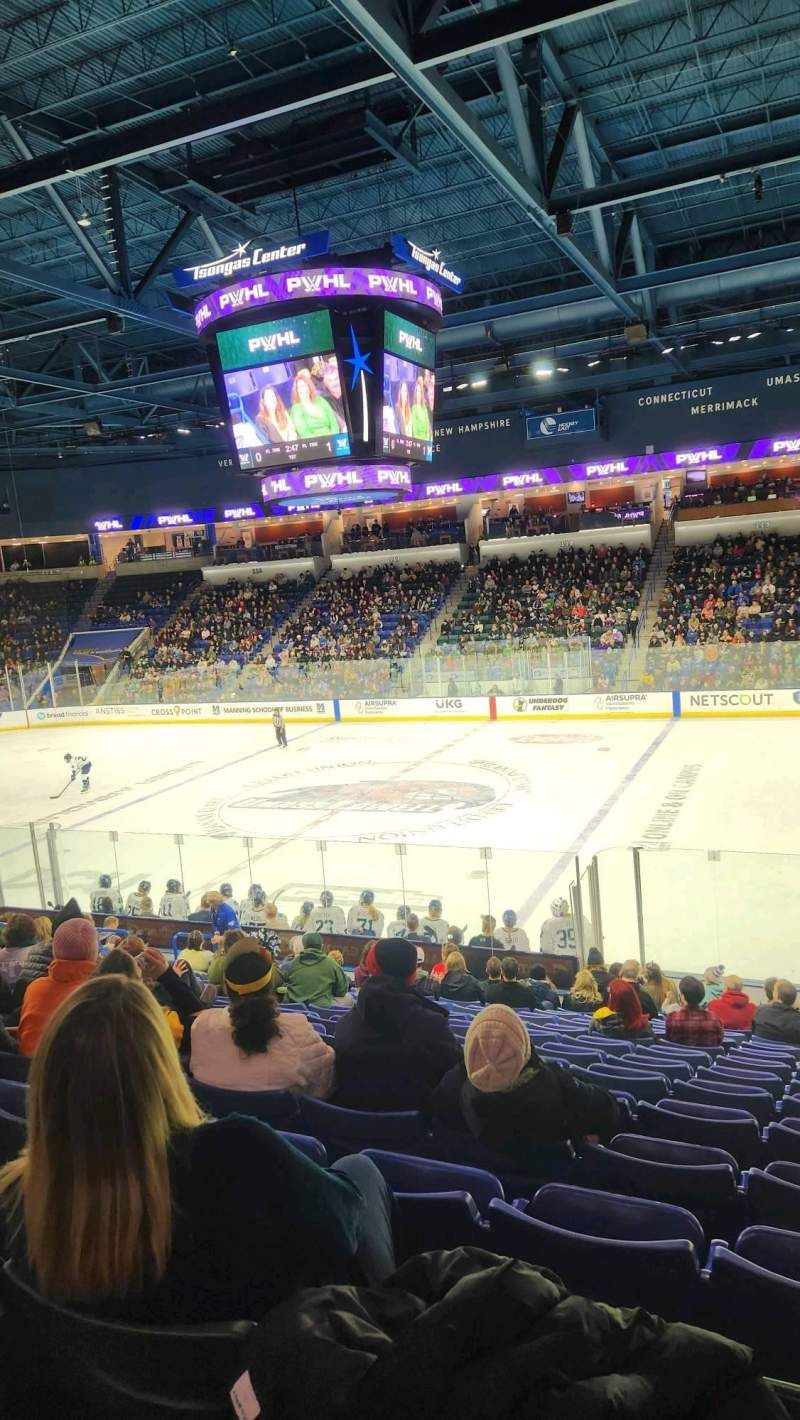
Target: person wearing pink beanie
x,y
513,1102
74,961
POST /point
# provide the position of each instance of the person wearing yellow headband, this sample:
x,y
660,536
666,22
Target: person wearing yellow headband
x,y
252,1045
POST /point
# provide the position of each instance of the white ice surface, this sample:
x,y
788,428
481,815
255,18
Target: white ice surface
x,y
717,803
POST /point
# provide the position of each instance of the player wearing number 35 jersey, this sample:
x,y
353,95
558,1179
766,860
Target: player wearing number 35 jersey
x,y
558,933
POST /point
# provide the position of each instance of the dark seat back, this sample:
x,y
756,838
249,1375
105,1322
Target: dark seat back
x,y
104,1368
276,1107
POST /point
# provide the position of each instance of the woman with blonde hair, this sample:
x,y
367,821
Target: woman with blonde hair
x,y
660,988
108,1203
583,995
43,928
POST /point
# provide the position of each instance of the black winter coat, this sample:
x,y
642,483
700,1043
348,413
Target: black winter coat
x,y
459,986
509,993
466,1335
547,1106
393,1048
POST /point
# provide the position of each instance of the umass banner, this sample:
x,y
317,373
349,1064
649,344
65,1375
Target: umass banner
x,y
715,412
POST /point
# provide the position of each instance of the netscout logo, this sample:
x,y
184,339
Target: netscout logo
x,y
603,468
268,343
698,456
411,342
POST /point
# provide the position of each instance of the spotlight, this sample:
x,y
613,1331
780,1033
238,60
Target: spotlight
x,y
447,389
543,369
563,369
592,364
668,349
84,220
718,342
181,429
480,384
464,384
732,338
754,334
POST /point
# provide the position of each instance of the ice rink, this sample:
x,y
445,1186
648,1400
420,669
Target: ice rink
x,y
713,802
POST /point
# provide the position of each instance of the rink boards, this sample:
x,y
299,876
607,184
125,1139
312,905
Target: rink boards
x,y
663,705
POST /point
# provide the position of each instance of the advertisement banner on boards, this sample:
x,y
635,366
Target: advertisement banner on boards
x,y
315,711
739,702
599,707
450,707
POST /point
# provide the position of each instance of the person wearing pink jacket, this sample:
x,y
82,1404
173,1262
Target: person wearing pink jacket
x,y
252,1045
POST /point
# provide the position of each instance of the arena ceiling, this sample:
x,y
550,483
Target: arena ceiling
x,y
588,167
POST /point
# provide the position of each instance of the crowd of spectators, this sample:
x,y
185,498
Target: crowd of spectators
x,y
146,600
380,612
221,625
739,491
418,532
590,592
37,617
732,591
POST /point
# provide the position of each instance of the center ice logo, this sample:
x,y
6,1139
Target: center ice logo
x,y
380,796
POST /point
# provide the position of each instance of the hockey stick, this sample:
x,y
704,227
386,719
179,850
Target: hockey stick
x,y
64,790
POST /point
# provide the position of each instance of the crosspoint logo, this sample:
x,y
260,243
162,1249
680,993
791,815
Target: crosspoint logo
x,y
548,425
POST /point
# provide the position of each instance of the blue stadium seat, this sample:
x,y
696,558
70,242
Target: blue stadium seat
x,y
733,1130
545,1164
757,1102
13,1133
759,1307
14,1067
671,1151
780,1168
771,1066
312,1148
406,1173
664,1276
614,1215
790,1107
14,1097
614,1047
748,1079
776,1249
348,1131
683,1052
783,1142
706,1188
772,1200
429,1222
576,1053
670,1069
640,1083
277,1107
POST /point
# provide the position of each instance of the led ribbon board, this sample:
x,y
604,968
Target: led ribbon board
x,y
324,283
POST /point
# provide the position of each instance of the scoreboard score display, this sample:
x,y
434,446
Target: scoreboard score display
x,y
325,364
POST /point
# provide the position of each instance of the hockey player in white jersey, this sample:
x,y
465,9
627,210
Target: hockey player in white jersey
x,y
301,921
364,919
103,893
558,932
140,903
510,935
252,912
398,927
327,917
174,902
433,924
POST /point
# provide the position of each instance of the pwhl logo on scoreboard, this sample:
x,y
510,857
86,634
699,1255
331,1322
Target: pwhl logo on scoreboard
x,y
269,343
430,261
251,256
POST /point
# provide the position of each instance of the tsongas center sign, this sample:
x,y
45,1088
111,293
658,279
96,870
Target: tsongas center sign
x,y
251,256
430,261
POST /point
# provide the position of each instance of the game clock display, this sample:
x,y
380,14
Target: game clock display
x,y
283,389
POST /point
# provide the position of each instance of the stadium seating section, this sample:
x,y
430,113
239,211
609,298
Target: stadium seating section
x,y
733,591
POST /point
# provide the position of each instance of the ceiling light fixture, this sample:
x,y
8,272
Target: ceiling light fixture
x,y
447,389
718,342
543,369
181,429
754,334
84,220
563,369
592,363
668,349
464,384
480,384
731,338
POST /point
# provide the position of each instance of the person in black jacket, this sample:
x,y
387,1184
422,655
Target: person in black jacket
x,y
509,990
509,1099
395,1045
596,965
457,984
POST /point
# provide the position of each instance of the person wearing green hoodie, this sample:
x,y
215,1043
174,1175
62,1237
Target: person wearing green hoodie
x,y
313,977
312,415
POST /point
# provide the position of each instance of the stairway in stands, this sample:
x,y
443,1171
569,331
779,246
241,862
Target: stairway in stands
x,y
95,599
631,668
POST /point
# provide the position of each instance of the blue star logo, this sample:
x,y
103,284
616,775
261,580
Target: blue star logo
x,y
359,360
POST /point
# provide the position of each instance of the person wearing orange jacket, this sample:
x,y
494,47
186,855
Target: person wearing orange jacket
x,y
74,961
